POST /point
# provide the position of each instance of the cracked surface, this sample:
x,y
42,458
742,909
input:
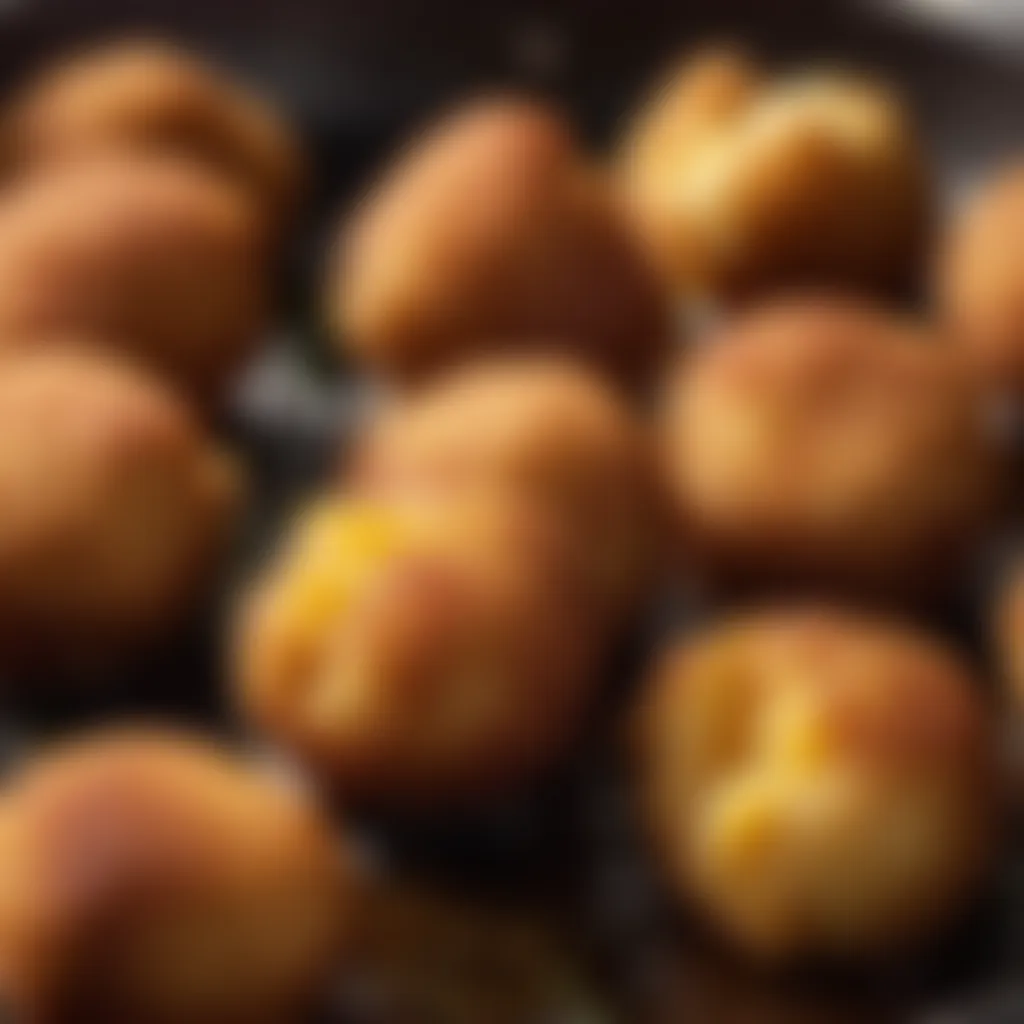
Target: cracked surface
x,y
747,183
418,649
818,783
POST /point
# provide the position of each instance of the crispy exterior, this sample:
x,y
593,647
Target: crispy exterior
x,y
979,281
113,504
819,783
491,233
151,877
1008,635
418,651
540,428
144,95
825,443
745,184
163,261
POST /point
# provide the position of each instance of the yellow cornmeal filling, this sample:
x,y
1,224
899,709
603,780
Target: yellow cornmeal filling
x,y
338,547
754,829
791,750
793,839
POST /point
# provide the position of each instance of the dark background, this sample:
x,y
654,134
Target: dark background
x,y
357,73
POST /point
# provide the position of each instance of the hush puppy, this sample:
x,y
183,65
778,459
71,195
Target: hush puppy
x,y
979,281
745,183
417,652
113,504
150,876
493,233
1008,635
158,258
818,783
822,443
149,96
542,428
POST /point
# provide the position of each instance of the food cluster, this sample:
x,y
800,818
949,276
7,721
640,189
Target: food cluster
x,y
559,452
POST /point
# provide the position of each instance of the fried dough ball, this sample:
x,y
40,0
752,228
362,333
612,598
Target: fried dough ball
x,y
747,183
159,258
493,234
418,652
1008,634
820,784
822,443
540,427
150,876
980,281
113,504
149,96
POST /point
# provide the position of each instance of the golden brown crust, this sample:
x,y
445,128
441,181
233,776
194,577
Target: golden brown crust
x,y
820,783
420,649
821,442
542,428
746,184
979,281
492,234
145,95
1007,635
156,258
150,876
113,505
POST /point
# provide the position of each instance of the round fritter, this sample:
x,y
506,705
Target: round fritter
x,y
819,442
745,183
159,258
152,877
1008,634
492,233
820,784
543,428
420,650
146,95
979,281
113,504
